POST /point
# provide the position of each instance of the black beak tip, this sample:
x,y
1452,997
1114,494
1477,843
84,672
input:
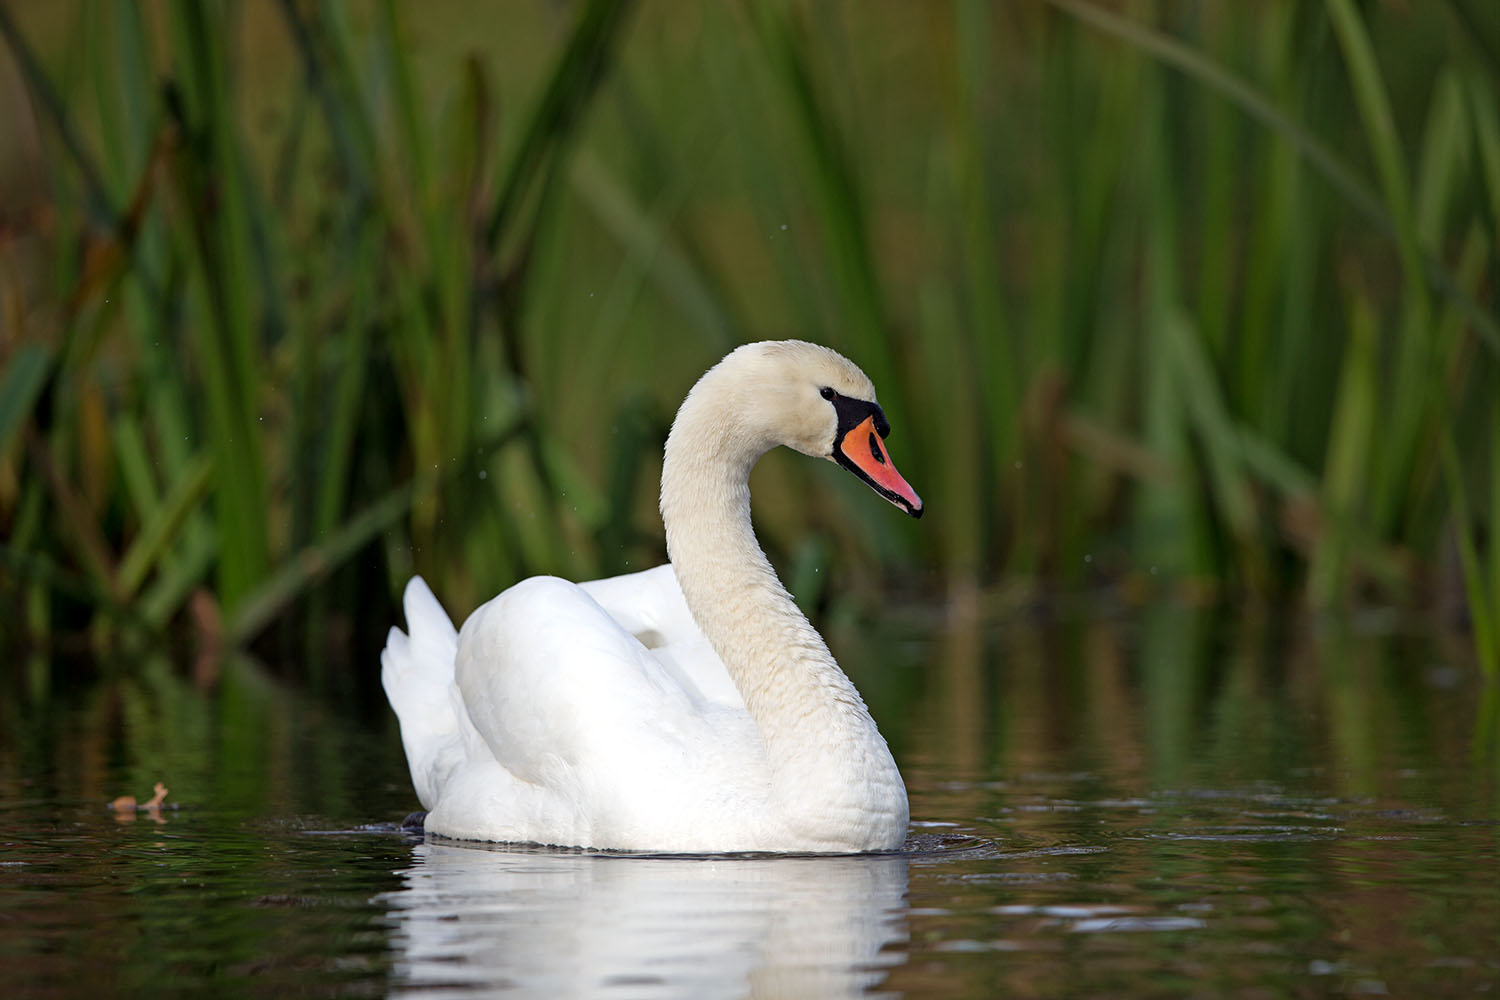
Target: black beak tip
x,y
915,512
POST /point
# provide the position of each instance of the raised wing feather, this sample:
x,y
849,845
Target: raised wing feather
x,y
650,606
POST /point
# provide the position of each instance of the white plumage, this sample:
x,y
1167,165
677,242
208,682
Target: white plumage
x,y
688,708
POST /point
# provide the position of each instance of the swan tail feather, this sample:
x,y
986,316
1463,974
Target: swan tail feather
x,y
416,670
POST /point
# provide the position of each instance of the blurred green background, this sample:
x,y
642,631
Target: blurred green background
x,y
1181,300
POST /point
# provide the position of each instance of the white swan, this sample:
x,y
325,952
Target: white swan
x,y
688,708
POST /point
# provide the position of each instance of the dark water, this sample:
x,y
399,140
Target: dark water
x,y
1150,806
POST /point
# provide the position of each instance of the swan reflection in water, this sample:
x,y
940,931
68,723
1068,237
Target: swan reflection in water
x,y
550,923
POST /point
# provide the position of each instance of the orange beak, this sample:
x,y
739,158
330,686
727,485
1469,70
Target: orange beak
x,y
863,453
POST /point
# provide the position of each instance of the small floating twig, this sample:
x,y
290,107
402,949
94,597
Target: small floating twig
x,y
125,807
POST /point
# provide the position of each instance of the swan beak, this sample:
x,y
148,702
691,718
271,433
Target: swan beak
x,y
862,452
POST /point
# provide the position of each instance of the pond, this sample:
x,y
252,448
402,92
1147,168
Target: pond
x,y
1152,803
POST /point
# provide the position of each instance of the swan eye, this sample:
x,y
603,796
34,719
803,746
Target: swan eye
x,y
827,393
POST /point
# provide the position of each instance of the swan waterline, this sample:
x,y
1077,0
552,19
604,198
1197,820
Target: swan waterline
x,y
689,708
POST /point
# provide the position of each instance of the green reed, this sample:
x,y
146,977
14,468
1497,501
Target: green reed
x,y
1194,301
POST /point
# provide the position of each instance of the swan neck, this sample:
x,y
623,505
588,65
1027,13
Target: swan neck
x,y
793,688
833,782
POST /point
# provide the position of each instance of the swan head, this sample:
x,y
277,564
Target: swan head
x,y
811,399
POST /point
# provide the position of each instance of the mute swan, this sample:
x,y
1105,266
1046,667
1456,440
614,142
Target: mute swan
x,y
687,708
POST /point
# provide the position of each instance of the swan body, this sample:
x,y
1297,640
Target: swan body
x,y
688,708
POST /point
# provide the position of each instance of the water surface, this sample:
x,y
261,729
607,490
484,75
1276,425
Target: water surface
x,y
1152,805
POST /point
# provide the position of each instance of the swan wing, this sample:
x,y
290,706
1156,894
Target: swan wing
x,y
599,740
650,606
